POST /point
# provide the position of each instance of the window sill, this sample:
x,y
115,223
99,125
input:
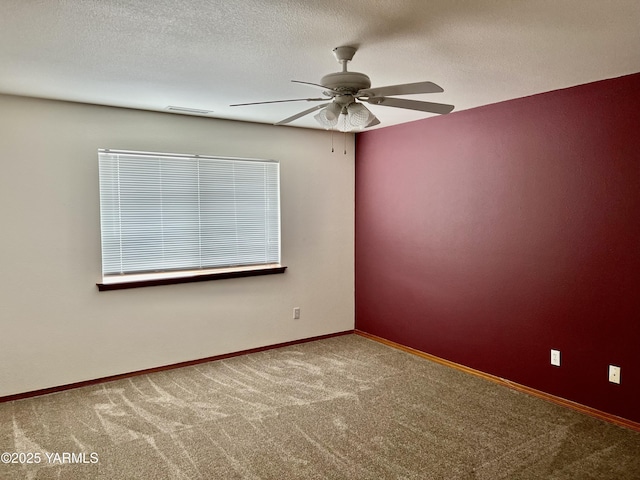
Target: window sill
x,y
151,280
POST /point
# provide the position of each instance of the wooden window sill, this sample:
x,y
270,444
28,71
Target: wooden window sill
x,y
150,282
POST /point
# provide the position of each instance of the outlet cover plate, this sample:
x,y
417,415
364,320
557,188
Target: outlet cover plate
x,y
614,374
555,358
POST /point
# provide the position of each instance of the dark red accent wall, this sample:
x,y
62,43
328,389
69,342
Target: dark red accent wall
x,y
490,236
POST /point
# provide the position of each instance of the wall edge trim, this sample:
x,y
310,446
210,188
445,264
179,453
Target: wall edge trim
x,y
593,412
188,363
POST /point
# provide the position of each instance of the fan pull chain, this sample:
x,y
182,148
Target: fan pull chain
x,y
345,143
332,140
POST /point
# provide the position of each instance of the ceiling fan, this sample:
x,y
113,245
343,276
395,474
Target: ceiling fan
x,y
346,93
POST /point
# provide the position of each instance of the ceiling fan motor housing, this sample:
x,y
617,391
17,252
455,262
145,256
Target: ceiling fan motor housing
x,y
347,82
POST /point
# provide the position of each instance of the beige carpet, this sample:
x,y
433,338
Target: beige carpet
x,y
341,408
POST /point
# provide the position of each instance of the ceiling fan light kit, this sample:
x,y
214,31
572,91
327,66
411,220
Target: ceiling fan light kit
x,y
346,91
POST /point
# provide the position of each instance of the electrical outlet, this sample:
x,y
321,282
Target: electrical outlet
x,y
296,313
614,374
555,357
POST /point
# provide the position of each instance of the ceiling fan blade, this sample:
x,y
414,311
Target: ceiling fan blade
x,y
430,107
404,89
280,101
317,85
302,114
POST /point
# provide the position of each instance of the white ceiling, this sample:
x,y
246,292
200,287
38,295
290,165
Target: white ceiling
x,y
206,54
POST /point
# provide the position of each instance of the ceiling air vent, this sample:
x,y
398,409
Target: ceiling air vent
x,y
194,111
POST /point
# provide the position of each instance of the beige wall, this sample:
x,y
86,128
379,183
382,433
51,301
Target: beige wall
x,y
56,328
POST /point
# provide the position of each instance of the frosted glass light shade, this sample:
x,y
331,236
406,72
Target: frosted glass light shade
x,y
328,116
333,111
358,115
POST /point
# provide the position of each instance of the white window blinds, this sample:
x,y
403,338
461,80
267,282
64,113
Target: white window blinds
x,y
167,212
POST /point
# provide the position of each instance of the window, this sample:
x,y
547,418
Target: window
x,y
166,217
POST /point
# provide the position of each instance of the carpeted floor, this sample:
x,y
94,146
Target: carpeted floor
x,y
341,408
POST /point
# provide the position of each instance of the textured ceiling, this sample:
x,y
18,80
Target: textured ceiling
x,y
206,54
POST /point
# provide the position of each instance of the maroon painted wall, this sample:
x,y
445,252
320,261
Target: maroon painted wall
x,y
490,236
